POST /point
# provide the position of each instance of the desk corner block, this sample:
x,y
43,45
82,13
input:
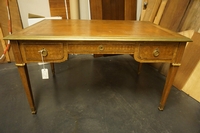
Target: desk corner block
x,y
176,64
20,64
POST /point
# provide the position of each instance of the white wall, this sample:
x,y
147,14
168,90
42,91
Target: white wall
x,y
38,7
139,8
84,9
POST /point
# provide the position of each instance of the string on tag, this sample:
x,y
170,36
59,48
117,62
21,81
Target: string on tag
x,y
42,58
45,74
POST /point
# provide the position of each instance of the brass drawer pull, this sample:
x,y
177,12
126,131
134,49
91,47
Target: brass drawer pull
x,y
101,48
43,52
156,53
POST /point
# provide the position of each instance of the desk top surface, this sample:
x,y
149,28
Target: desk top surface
x,y
96,30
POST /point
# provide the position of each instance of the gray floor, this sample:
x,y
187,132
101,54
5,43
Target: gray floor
x,y
101,95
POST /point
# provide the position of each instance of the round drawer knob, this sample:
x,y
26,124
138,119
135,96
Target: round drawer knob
x,y
43,52
101,48
156,53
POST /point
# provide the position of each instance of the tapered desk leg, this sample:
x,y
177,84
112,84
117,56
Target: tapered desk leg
x,y
52,68
139,68
27,86
168,84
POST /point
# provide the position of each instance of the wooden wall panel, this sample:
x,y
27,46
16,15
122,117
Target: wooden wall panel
x,y
15,19
96,9
173,14
191,20
113,10
130,9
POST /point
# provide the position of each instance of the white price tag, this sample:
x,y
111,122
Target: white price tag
x,y
45,73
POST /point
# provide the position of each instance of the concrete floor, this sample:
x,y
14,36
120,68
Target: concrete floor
x,y
101,95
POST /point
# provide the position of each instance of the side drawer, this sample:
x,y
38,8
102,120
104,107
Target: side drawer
x,y
30,51
156,51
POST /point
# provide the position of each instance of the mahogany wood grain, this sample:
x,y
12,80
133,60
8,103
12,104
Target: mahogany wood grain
x,y
113,9
130,9
96,9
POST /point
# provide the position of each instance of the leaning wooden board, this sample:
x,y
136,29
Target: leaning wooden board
x,y
173,14
191,18
57,8
160,12
187,77
3,43
149,11
192,86
16,21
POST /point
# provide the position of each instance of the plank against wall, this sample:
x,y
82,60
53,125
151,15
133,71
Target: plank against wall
x,y
189,62
160,12
188,76
191,20
149,13
173,14
192,86
15,17
57,8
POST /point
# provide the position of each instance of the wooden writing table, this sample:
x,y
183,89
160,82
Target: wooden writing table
x,y
148,43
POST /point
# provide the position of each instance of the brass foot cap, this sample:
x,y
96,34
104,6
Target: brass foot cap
x,y
34,112
160,108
